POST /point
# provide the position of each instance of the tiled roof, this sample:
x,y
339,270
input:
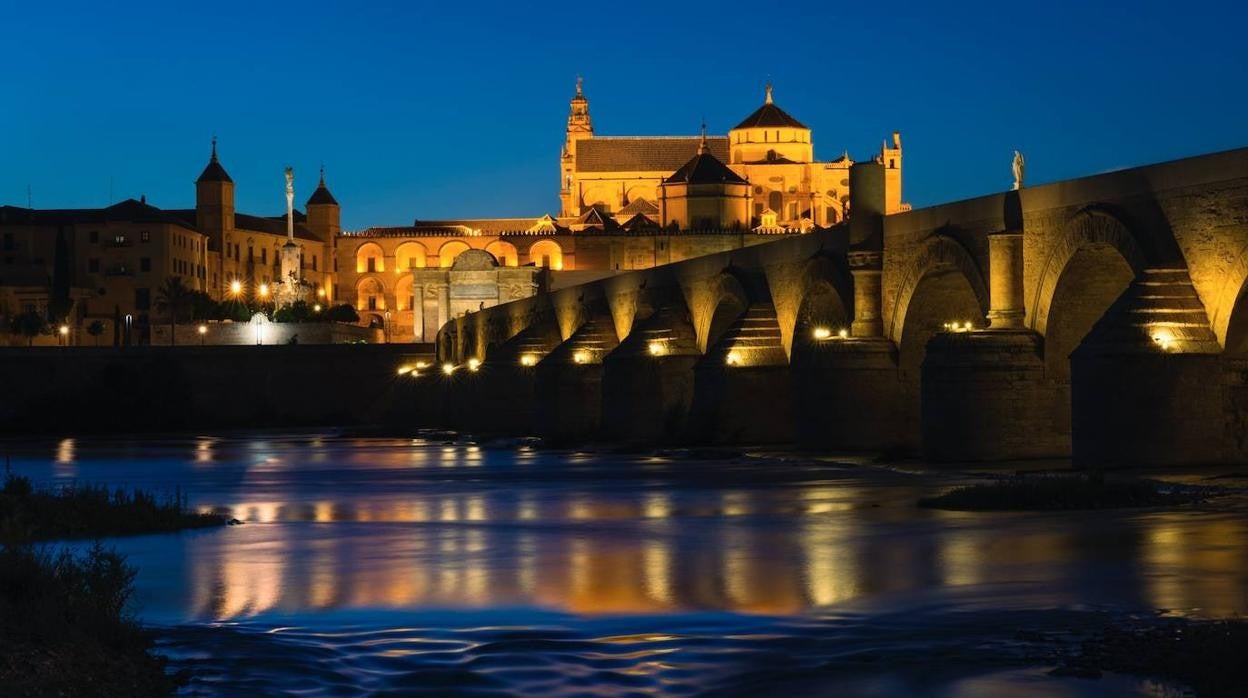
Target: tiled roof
x,y
643,154
322,196
640,205
129,211
705,168
769,115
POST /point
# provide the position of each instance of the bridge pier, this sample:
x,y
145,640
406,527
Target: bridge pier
x,y
742,388
569,384
497,395
1148,383
847,394
984,397
647,381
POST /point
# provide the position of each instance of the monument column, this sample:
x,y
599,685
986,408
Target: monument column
x,y
418,313
444,304
867,269
1005,285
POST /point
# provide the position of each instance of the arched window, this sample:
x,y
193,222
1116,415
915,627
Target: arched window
x,y
546,253
775,201
409,255
504,252
449,251
369,295
369,258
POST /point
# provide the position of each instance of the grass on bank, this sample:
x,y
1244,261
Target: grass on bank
x,y
65,627
89,511
1059,493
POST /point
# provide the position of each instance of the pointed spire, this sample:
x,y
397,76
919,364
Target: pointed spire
x,y
702,146
214,172
768,98
322,175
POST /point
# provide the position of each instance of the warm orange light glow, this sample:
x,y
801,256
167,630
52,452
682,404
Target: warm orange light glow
x,y
581,356
403,370
236,287
528,360
474,364
320,293
448,368
264,290
1164,338
64,330
203,329
316,308
733,358
656,348
821,333
422,365
843,334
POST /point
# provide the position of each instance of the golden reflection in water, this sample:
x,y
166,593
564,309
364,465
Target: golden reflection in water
x,y
646,554
1197,569
203,451
66,450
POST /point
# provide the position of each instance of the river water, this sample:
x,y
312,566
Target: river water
x,y
422,566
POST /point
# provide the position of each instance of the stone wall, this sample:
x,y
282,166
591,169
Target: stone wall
x,y
271,333
148,389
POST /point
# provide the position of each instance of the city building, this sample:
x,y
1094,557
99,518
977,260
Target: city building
x,y
627,203
114,259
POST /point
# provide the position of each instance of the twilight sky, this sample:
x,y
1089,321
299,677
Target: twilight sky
x,y
458,109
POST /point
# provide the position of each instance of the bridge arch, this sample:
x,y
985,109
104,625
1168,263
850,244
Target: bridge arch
x,y
1229,313
724,301
824,301
944,262
1093,229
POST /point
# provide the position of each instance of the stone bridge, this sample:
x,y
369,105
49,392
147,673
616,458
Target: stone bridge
x,y
1101,317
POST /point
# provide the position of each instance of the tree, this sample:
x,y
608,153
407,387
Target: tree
x,y
342,313
299,311
173,297
29,324
203,307
95,329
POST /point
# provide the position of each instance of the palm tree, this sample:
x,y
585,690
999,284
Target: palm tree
x,y
173,297
95,329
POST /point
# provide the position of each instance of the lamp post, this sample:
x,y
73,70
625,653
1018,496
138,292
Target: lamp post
x,y
64,330
387,328
203,330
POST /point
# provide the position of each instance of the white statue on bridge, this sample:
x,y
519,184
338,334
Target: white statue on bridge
x,y
1018,170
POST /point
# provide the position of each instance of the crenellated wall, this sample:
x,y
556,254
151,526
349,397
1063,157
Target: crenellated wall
x,y
950,330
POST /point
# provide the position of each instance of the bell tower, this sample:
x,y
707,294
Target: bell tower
x,y
579,128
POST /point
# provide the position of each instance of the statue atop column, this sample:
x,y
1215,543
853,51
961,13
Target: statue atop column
x,y
1019,164
290,204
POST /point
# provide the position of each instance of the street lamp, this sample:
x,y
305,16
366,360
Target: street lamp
x,y
203,330
387,328
64,335
264,290
236,288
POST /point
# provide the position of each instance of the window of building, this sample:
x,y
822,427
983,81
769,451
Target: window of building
x,y
145,263
142,298
251,254
372,264
93,265
264,256
119,239
236,250
145,236
313,262
372,302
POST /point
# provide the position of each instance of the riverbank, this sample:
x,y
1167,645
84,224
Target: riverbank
x,y
65,624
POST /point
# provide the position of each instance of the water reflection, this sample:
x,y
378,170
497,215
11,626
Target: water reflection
x,y
335,524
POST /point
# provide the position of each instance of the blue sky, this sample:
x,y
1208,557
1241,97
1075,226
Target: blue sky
x,y
459,109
